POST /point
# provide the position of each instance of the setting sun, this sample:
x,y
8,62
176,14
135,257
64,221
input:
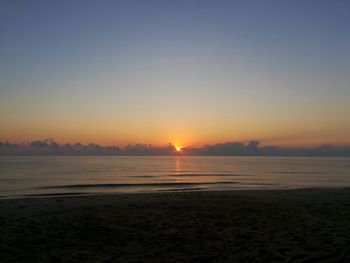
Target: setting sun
x,y
178,148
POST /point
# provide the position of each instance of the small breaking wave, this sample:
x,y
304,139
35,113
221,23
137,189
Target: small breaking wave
x,y
207,174
170,184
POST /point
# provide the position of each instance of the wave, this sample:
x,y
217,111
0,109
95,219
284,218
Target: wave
x,y
58,194
295,172
177,184
207,174
181,189
141,176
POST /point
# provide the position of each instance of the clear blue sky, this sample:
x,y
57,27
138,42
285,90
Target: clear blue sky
x,y
189,72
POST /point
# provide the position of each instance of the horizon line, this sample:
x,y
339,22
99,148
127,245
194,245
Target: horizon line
x,y
234,148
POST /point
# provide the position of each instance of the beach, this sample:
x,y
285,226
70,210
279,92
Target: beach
x,y
310,225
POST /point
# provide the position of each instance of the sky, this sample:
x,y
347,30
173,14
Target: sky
x,y
186,72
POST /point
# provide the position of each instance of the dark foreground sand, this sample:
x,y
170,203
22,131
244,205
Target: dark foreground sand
x,y
231,226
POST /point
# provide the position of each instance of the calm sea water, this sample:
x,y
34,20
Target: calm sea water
x,y
39,175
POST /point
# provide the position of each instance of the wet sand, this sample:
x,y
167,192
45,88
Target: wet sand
x,y
229,226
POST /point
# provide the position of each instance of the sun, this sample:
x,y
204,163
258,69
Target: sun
x,y
178,148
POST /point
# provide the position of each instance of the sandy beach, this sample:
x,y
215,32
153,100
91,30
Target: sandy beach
x,y
229,226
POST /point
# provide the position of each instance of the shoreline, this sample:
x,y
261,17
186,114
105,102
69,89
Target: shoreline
x,y
294,225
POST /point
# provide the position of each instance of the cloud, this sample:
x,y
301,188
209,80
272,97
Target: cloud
x,y
252,149
50,147
230,148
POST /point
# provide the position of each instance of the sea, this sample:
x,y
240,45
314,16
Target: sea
x,y
80,175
